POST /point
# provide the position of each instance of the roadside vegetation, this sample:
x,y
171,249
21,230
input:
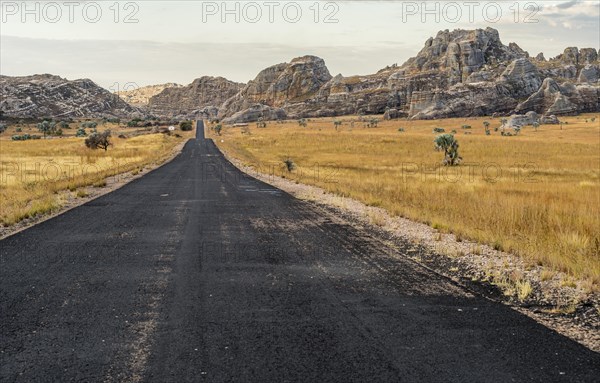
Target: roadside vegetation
x,y
535,192
38,175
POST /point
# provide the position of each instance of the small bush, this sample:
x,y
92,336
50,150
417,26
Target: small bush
x,y
99,184
438,130
81,133
289,164
81,193
89,124
134,123
373,123
186,126
25,137
49,128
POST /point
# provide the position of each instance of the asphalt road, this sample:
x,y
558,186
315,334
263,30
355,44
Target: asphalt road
x,y
195,273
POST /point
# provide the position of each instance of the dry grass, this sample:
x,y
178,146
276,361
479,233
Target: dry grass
x,y
34,173
536,194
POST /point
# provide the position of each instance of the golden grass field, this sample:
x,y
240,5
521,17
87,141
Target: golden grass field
x,y
34,173
536,194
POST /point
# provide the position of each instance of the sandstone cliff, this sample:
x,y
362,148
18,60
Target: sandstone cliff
x,y
457,73
141,96
200,98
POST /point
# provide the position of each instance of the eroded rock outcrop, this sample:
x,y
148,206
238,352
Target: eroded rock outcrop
x,y
563,99
280,86
256,112
192,100
141,96
457,73
46,95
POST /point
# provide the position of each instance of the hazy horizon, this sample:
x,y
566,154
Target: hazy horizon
x,y
186,40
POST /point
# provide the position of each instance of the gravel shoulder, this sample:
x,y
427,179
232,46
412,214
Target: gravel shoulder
x,y
571,308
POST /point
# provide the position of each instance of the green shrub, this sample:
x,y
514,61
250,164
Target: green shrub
x,y
186,126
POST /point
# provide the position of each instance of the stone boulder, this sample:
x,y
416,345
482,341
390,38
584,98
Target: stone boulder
x,y
255,113
549,120
392,114
590,73
523,119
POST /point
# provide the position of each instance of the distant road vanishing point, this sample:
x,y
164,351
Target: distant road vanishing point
x,y
197,272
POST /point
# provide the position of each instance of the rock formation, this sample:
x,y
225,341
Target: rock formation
x,y
202,97
46,95
457,73
141,96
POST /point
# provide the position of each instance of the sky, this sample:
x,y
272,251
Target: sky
x,y
126,44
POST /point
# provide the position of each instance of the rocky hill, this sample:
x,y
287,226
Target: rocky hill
x,y
200,98
47,95
457,73
141,96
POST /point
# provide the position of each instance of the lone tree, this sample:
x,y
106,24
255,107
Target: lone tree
x,y
218,129
448,144
337,124
302,122
98,140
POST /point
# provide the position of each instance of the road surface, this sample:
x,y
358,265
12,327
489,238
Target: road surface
x,y
196,273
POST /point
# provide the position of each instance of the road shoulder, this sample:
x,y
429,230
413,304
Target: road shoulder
x,y
499,276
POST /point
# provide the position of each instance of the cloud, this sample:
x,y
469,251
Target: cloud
x,y
113,63
567,5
